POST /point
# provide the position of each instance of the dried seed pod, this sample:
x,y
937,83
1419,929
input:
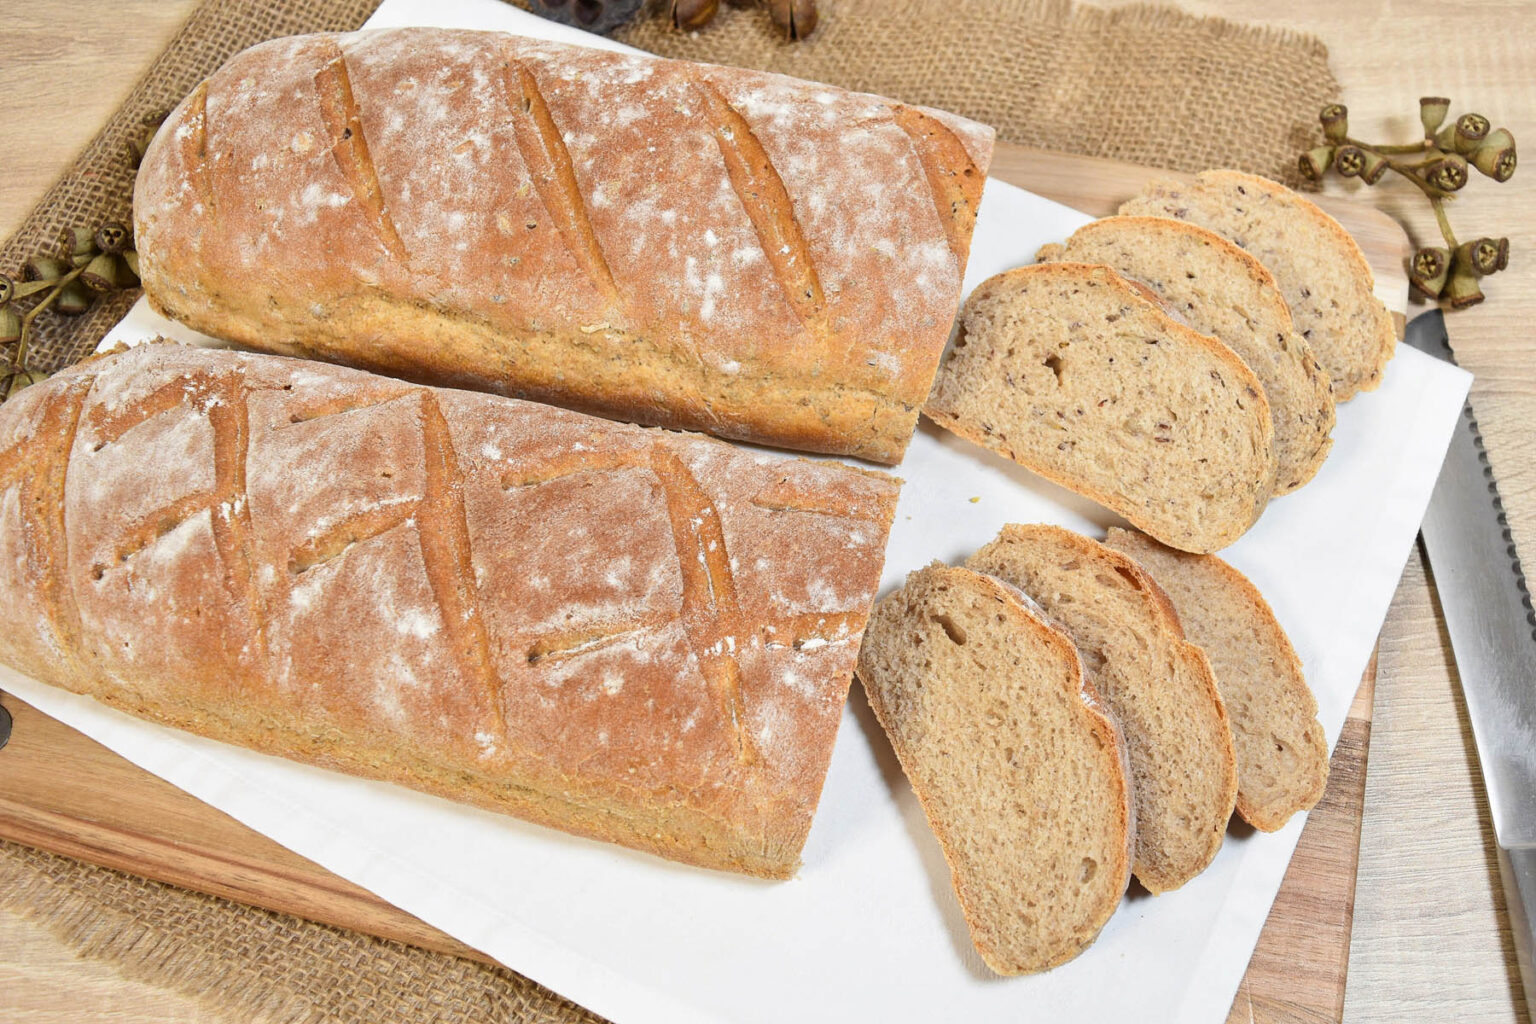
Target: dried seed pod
x,y
74,299
743,3
1481,256
1432,112
689,15
1495,155
1470,130
10,326
1315,163
80,242
1335,119
1462,291
1375,166
1463,136
1448,174
1349,161
1428,270
103,273
111,237
7,289
131,260
44,268
795,18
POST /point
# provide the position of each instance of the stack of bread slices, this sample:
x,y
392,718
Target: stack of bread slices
x,y
1178,363
1071,712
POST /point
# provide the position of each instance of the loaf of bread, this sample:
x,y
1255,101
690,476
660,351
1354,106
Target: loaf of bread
x,y
1322,273
1282,753
1158,688
626,633
676,244
1021,774
1220,290
1072,372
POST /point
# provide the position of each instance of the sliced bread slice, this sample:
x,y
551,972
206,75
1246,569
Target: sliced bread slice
x,y
1020,773
1220,290
1320,270
1158,687
1068,370
1282,754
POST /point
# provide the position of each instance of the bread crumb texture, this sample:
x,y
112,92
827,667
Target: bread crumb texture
x,y
1019,773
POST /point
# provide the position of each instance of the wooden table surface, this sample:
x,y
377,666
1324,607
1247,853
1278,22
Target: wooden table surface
x,y
1431,939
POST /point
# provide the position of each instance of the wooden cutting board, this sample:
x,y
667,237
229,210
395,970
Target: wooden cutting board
x,y
63,792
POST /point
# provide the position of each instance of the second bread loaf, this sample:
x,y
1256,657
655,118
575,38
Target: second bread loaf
x,y
676,244
629,634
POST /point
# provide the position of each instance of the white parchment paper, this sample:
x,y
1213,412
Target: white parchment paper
x,y
869,930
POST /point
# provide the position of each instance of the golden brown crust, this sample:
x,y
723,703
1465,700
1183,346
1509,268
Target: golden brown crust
x,y
654,240
626,633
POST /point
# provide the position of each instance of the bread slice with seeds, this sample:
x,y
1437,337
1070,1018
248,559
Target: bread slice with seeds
x,y
1158,687
1020,772
1220,290
1282,753
1319,268
1068,370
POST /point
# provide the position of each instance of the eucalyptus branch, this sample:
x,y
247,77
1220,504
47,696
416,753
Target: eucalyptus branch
x,y
1446,157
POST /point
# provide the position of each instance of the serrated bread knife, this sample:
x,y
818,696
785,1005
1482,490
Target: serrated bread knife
x,y
1487,606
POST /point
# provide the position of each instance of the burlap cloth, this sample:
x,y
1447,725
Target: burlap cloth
x,y
1144,84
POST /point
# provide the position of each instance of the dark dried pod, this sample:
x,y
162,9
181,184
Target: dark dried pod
x,y
1335,119
1315,163
795,18
7,289
743,4
112,237
1432,113
1448,174
600,16
689,15
1495,155
1428,270
1349,161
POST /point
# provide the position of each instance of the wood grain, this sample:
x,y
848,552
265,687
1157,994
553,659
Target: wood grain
x,y
1297,974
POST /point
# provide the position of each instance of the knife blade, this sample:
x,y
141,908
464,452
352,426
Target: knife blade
x,y
1487,606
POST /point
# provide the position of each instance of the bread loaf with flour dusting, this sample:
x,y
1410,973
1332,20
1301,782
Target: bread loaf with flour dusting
x,y
676,244
626,633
